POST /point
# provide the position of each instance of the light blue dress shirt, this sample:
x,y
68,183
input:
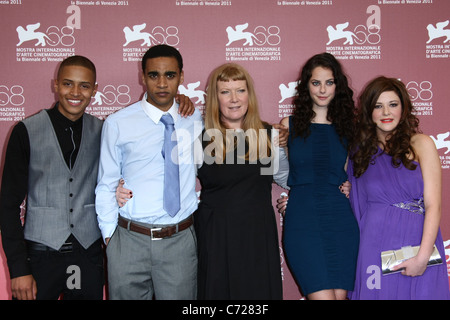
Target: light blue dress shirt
x,y
131,145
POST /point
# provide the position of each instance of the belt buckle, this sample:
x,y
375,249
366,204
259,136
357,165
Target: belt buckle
x,y
151,233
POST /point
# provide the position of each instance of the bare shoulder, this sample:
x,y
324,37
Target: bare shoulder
x,y
422,141
423,146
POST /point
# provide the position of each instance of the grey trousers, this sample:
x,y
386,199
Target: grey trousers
x,y
140,268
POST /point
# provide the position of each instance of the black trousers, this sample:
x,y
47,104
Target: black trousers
x,y
74,273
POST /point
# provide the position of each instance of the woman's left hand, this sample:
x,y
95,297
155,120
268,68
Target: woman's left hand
x,y
122,194
413,267
345,188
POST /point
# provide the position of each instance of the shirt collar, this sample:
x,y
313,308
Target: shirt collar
x,y
155,113
62,120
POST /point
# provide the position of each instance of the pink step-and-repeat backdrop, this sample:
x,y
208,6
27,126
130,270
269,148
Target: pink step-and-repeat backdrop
x,y
407,39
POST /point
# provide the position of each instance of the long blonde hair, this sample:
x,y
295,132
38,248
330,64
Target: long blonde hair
x,y
252,123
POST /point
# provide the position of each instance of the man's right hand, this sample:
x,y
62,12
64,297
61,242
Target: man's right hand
x,y
24,288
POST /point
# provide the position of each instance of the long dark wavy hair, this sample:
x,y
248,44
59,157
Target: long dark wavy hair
x,y
341,110
398,142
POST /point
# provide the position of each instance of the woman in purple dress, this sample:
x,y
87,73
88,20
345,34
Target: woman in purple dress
x,y
395,173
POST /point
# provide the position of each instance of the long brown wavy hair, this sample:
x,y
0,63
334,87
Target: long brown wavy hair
x,y
398,142
341,110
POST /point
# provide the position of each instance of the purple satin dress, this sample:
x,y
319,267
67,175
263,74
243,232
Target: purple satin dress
x,y
387,205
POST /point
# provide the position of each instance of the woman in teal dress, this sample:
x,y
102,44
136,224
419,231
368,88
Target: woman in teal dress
x,y
321,235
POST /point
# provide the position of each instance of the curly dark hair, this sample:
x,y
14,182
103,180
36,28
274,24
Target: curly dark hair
x,y
341,110
398,142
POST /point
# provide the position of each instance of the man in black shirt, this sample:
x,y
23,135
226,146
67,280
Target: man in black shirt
x,y
52,160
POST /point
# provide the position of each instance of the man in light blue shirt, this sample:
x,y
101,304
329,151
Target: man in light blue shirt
x,y
151,253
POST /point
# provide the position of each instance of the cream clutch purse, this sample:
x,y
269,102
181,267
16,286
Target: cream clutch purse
x,y
392,258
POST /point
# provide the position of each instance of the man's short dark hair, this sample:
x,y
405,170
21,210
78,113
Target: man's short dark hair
x,y
162,50
78,61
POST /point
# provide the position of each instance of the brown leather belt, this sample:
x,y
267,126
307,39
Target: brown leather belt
x,y
156,233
